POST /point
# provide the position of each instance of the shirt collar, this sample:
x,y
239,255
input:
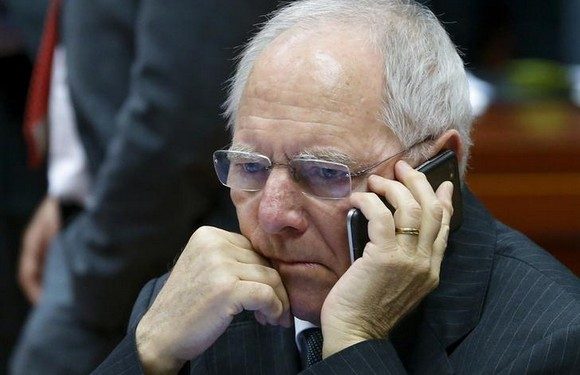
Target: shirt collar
x,y
299,327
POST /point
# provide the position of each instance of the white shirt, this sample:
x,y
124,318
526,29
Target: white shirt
x,y
299,326
68,177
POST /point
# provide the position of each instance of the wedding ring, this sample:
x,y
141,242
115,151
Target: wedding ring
x,y
411,231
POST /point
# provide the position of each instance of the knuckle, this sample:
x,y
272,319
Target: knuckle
x,y
445,229
223,284
432,280
447,206
209,241
213,262
405,263
387,214
201,233
416,177
423,266
435,208
263,292
273,277
414,210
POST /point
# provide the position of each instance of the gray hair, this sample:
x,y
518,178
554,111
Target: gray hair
x,y
426,90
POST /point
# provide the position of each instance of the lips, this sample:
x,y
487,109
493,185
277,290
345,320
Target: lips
x,y
304,268
296,264
285,255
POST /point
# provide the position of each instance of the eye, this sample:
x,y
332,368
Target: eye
x,y
330,173
323,174
253,167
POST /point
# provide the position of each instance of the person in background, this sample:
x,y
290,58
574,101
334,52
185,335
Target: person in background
x,y
133,111
333,104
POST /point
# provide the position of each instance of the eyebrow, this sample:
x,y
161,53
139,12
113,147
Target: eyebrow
x,y
320,153
241,148
327,155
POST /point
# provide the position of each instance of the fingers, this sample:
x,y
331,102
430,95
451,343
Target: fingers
x,y
407,209
234,245
31,265
262,298
37,238
226,263
29,279
404,273
445,194
269,277
381,227
417,206
430,207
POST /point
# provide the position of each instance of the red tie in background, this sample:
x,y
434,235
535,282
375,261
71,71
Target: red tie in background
x,y
35,117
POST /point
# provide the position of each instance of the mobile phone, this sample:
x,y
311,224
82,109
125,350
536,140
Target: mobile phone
x,y
442,167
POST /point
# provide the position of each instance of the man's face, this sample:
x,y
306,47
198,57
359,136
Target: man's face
x,y
317,92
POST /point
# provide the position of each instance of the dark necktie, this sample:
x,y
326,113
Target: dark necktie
x,y
311,345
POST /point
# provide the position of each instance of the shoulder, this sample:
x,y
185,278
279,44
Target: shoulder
x,y
530,315
516,253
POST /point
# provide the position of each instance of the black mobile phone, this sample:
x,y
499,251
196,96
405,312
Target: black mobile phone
x,y
442,167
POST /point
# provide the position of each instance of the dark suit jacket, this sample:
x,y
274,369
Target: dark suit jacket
x,y
503,306
146,81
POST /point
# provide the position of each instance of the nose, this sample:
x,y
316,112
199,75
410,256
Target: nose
x,y
281,202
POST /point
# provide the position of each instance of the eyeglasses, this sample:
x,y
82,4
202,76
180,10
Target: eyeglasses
x,y
249,171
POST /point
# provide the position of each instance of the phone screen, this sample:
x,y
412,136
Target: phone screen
x,y
443,167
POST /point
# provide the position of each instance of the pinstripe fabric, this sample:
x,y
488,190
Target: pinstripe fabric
x,y
503,306
249,348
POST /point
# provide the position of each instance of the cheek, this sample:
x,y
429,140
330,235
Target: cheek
x,y
331,224
246,211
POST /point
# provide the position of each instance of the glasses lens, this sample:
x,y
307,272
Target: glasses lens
x,y
241,170
322,178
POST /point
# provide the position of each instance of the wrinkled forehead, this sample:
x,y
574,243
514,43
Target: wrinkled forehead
x,y
326,75
335,65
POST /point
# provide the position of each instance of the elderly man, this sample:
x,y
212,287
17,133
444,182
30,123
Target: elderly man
x,y
333,104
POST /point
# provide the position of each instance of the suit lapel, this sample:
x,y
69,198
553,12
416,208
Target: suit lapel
x,y
425,339
454,308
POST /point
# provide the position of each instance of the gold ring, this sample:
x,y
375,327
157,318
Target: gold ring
x,y
411,231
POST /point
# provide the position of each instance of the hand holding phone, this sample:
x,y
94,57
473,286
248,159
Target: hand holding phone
x,y
443,167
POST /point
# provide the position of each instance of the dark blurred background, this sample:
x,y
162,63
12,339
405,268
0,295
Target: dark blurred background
x,y
20,188
524,56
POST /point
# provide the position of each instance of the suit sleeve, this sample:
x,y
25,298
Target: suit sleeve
x,y
125,359
153,183
367,357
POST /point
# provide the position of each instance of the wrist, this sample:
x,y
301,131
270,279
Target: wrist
x,y
336,340
153,357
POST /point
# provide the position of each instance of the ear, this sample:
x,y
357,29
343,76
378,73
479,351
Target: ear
x,y
450,140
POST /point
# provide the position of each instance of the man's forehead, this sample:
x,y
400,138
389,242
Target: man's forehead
x,y
263,96
314,88
335,64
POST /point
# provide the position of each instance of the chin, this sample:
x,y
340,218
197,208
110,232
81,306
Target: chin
x,y
306,304
308,313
